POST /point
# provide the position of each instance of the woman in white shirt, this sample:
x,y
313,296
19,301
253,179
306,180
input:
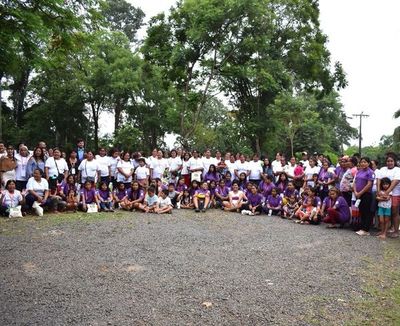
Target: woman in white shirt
x,y
10,198
158,166
38,190
114,159
89,169
21,174
125,170
56,169
310,170
104,165
392,172
174,162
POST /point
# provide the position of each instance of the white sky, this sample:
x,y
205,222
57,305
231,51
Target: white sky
x,y
365,37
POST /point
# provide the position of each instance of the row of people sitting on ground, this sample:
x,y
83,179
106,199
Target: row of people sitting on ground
x,y
248,199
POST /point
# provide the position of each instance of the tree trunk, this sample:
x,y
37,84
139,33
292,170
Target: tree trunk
x,y
117,114
18,95
258,149
95,115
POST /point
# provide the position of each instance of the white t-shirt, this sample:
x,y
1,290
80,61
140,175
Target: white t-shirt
x,y
20,170
231,167
309,171
306,163
289,169
56,167
11,200
142,172
242,167
195,163
276,166
113,164
150,160
392,174
38,187
158,166
207,162
163,202
255,170
126,168
104,162
174,163
185,167
88,169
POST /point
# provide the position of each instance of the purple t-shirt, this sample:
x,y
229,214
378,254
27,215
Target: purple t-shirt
x,y
121,194
202,192
228,183
223,191
274,201
89,195
211,177
135,195
67,188
289,192
104,194
362,177
212,191
341,206
254,199
181,188
266,188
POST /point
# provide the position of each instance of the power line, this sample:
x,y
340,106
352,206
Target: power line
x,y
361,116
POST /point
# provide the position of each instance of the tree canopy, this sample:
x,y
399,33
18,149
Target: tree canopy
x,y
242,75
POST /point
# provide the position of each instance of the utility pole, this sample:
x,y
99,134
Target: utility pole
x,y
361,115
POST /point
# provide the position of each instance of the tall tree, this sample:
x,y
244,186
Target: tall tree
x,y
122,16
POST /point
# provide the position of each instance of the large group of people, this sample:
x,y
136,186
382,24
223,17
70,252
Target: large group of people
x,y
309,190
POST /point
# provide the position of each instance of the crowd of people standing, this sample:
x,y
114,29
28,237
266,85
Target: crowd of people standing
x,y
309,190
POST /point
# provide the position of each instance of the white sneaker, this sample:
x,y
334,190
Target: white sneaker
x,y
245,212
251,213
362,232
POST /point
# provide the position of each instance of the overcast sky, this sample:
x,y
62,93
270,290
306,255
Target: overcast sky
x,y
365,37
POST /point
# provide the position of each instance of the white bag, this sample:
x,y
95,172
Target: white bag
x,y
196,176
15,211
38,209
92,208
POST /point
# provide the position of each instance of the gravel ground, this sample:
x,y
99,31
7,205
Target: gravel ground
x,y
211,268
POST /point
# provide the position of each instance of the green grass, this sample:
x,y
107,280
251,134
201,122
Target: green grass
x,y
17,226
379,303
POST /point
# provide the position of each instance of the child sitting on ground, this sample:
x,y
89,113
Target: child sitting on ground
x,y
304,211
290,208
72,201
150,201
274,203
201,198
164,204
185,200
104,197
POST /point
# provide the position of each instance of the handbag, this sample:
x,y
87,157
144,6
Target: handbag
x,y
38,209
60,176
196,176
92,208
15,211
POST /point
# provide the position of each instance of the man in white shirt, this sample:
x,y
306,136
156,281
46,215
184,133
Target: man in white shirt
x,y
276,164
242,166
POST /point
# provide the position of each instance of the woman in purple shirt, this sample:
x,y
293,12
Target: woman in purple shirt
x,y
254,202
362,188
266,185
212,174
335,209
